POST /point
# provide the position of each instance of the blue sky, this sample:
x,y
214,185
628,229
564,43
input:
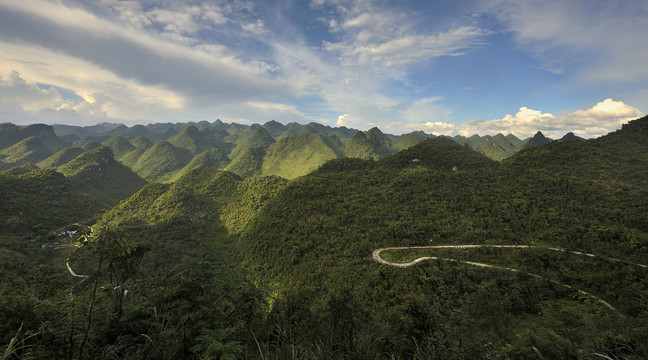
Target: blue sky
x,y
444,67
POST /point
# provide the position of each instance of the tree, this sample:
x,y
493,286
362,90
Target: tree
x,y
117,257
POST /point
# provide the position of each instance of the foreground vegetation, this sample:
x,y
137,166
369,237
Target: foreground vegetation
x,y
215,265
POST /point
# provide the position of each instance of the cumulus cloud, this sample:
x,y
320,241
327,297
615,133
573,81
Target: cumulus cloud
x,y
525,122
604,117
342,120
16,93
24,102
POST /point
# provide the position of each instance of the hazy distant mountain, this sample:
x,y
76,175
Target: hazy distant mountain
x,y
11,134
571,137
372,144
198,141
408,140
252,138
274,128
119,146
537,140
166,135
256,145
125,131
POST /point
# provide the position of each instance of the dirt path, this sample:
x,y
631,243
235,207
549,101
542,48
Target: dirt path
x,y
67,264
376,256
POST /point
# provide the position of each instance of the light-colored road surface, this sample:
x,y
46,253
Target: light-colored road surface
x,y
376,256
67,264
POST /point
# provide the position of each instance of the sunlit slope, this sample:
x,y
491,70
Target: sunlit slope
x,y
296,155
96,172
188,217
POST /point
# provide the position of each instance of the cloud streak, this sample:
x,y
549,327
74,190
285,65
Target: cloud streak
x,y
606,37
134,55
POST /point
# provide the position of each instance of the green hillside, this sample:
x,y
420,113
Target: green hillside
x,y
131,158
61,157
248,163
28,151
550,262
88,145
319,232
11,134
125,131
141,145
38,201
141,142
19,170
97,173
373,144
381,143
213,159
496,147
254,137
161,161
408,140
359,147
296,155
197,141
119,146
189,216
274,128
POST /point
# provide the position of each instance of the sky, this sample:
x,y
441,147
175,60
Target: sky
x,y
444,67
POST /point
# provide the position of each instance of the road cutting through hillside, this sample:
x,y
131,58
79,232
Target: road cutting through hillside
x,y
376,256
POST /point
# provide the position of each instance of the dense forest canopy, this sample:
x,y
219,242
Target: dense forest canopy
x,y
214,240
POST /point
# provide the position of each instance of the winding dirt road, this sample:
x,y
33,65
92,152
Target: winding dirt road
x,y
67,264
376,256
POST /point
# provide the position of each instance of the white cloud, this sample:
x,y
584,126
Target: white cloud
x,y
274,107
604,117
126,98
256,28
343,120
134,55
16,93
383,37
407,48
426,109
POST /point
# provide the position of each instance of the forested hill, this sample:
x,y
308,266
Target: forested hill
x,y
317,236
213,264
164,152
